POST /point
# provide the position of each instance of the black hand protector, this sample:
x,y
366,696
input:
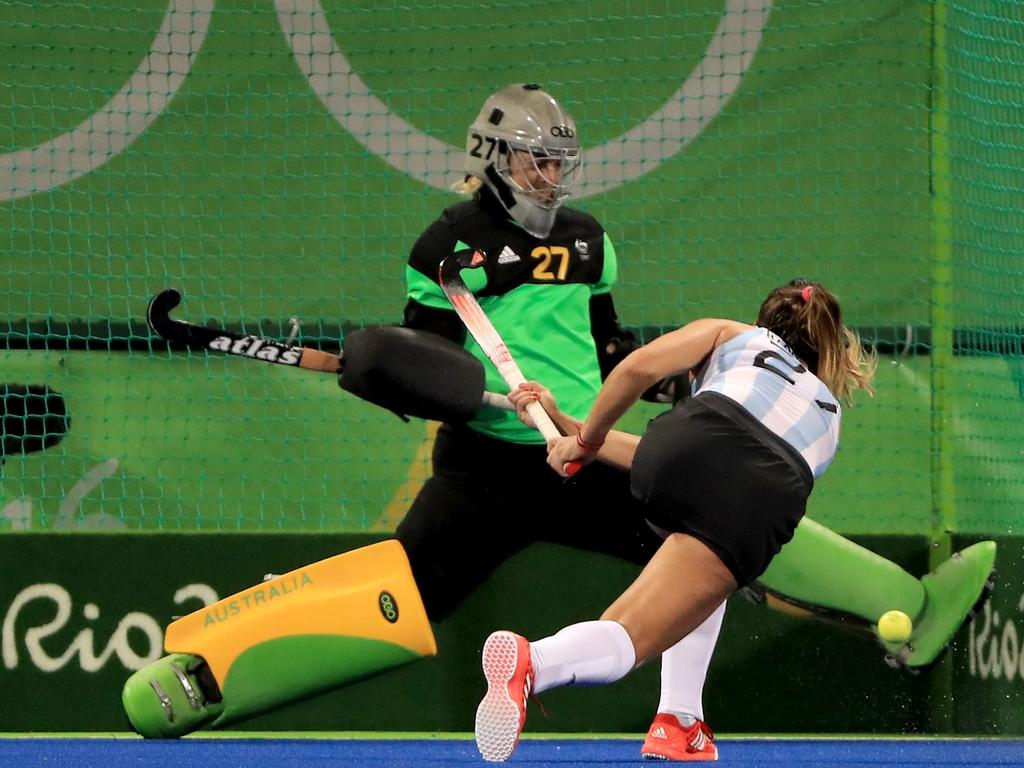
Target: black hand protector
x,y
412,373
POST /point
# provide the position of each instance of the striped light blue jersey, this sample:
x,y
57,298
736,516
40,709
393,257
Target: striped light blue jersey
x,y
759,371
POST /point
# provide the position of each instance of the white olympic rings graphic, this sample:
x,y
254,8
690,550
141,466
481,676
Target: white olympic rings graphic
x,y
121,120
401,145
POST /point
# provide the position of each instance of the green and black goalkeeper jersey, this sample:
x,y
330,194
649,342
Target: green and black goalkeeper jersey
x,y
540,294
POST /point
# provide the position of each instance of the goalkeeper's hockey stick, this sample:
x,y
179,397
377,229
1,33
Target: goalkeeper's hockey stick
x,y
194,336
482,329
251,347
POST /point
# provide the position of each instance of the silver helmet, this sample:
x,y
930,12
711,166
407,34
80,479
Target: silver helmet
x,y
523,145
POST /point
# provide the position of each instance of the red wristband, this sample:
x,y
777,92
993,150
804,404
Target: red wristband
x,y
588,447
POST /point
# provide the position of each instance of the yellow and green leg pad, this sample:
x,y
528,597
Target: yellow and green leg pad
x,y
820,573
306,632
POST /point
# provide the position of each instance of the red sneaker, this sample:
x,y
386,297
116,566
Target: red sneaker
x,y
668,739
502,712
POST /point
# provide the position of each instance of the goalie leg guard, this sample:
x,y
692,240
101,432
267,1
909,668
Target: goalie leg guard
x,y
308,631
821,573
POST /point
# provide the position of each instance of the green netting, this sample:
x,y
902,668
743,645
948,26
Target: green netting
x,y
277,160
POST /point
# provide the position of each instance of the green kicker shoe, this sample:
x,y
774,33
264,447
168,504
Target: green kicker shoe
x,y
954,592
171,697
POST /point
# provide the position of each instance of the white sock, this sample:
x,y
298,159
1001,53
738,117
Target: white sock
x,y
590,653
684,668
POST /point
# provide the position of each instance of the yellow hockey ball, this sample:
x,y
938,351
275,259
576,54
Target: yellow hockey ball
x,y
895,627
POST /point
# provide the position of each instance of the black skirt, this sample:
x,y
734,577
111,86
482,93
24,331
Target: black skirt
x,y
709,469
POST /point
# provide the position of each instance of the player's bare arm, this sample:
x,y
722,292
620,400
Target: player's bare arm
x,y
674,353
618,448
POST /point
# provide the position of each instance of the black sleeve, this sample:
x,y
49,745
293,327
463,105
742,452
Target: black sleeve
x,y
613,341
430,247
443,322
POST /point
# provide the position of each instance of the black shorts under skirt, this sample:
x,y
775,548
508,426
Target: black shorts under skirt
x,y
709,469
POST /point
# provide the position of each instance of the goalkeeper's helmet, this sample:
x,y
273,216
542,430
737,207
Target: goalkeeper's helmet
x,y
523,145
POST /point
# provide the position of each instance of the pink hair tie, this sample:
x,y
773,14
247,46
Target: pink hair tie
x,y
805,294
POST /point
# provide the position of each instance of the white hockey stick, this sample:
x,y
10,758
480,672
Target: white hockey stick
x,y
487,336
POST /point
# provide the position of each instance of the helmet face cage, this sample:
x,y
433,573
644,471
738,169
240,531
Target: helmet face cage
x,y
523,146
546,175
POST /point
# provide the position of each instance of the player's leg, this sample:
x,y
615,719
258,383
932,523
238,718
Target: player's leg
x,y
453,544
605,517
684,670
465,522
302,633
595,511
682,585
821,573
651,616
679,731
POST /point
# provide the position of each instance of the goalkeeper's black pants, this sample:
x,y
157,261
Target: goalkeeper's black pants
x,y
488,499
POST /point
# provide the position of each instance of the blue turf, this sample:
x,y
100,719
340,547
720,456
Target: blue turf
x,y
560,753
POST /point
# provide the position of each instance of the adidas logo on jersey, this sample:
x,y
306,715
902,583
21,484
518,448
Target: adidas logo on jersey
x,y
507,256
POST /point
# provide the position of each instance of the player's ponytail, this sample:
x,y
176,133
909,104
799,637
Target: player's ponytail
x,y
807,317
